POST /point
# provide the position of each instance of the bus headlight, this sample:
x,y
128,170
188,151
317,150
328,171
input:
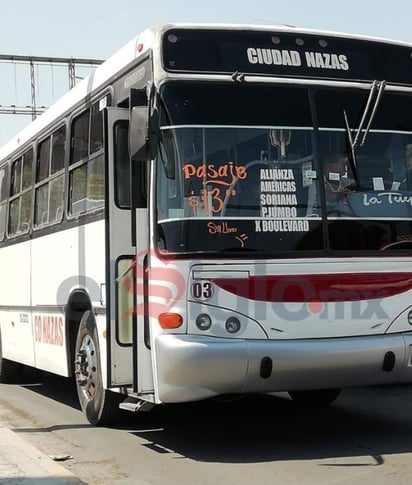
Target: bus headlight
x,y
203,321
232,325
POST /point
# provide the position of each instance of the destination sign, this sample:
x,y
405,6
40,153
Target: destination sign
x,y
285,54
317,60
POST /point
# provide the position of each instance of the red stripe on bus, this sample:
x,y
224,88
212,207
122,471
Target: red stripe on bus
x,y
317,287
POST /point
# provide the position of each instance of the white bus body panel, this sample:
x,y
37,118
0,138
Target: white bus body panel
x,y
62,263
355,315
34,333
15,301
308,350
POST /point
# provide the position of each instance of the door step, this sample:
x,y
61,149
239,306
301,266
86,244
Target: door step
x,y
134,405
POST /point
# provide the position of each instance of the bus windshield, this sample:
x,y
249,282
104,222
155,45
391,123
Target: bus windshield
x,y
272,169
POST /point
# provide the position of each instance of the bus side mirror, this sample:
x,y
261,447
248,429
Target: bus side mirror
x,y
139,134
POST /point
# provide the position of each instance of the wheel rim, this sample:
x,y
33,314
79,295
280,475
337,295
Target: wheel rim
x,y
86,368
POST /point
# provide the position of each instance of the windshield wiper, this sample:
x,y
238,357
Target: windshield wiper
x,y
376,92
351,150
375,107
365,112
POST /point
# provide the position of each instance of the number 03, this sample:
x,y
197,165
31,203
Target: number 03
x,y
202,290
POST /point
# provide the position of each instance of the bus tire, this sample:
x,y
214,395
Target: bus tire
x,y
100,406
10,372
317,397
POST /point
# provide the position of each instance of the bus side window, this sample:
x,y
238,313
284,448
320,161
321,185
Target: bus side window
x,y
3,200
96,129
20,194
79,138
49,196
86,170
122,165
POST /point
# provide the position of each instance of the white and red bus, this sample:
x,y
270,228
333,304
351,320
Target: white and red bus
x,y
217,209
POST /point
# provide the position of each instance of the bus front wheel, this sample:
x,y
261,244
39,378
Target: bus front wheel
x,y
98,404
318,397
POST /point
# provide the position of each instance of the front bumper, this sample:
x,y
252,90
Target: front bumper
x,y
192,367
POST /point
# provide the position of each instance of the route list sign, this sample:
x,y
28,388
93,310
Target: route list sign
x,y
209,188
278,202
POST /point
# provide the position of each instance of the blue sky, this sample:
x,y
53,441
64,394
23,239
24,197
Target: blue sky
x,y
97,28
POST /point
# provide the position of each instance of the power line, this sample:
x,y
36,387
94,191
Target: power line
x,y
35,61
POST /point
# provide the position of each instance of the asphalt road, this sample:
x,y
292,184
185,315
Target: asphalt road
x,y
365,438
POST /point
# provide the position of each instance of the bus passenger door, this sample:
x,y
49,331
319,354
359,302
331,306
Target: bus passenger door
x,y
120,252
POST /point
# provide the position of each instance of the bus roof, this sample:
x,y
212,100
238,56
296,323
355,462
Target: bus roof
x,y
136,47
